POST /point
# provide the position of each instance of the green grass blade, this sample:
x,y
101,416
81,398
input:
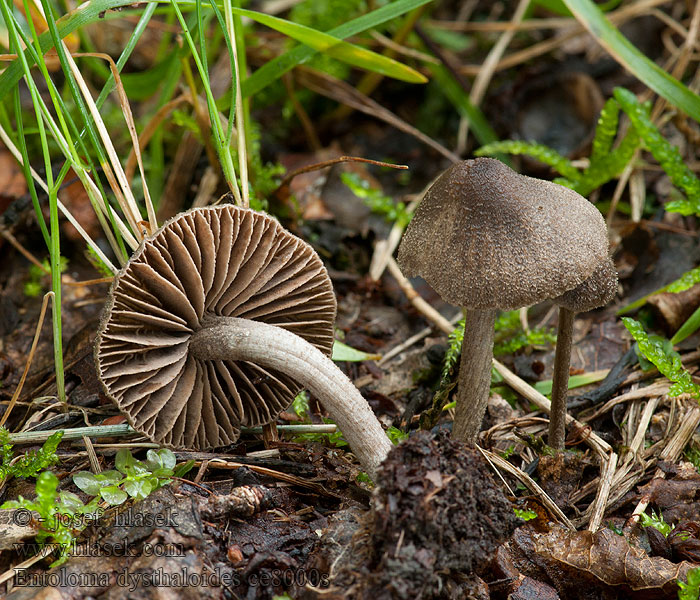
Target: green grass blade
x,y
99,10
545,387
337,48
624,52
688,328
85,14
22,145
126,53
277,67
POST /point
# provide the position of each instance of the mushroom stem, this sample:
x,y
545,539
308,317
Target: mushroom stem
x,y
560,379
474,374
230,338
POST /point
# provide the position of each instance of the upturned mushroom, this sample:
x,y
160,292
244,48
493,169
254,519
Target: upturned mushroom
x,y
216,322
594,292
487,238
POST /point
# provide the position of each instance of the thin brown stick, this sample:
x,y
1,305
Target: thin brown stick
x,y
32,350
334,161
529,483
417,300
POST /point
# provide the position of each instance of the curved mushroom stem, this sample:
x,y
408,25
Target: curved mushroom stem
x,y
230,338
560,380
474,374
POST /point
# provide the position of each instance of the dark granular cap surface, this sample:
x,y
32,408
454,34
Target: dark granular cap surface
x,y
438,516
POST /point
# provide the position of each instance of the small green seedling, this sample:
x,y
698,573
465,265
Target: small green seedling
x,y
132,478
690,590
396,435
525,514
655,521
31,463
62,515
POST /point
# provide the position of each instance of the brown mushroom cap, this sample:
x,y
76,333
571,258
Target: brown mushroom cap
x,y
594,292
486,237
215,261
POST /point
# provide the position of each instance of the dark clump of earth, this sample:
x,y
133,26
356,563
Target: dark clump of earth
x,y
436,520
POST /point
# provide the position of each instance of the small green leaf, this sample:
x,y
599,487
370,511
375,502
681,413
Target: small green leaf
x,y
182,469
525,514
70,503
46,485
343,352
124,460
138,489
396,435
336,47
668,155
163,459
113,495
690,589
87,482
110,477
685,281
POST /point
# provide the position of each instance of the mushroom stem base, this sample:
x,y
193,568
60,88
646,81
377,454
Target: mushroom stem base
x,y
474,374
560,379
230,338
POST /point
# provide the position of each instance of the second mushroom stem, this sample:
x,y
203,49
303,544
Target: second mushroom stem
x,y
560,379
474,374
230,338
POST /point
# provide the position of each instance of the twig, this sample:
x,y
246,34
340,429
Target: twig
x,y
607,473
98,431
416,299
11,573
670,453
488,68
412,340
530,484
334,161
32,350
384,249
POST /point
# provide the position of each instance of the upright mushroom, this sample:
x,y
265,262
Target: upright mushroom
x,y
217,321
487,238
596,291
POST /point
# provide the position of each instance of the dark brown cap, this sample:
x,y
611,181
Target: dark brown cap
x,y
216,261
486,237
594,292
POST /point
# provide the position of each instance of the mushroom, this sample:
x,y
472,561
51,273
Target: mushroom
x,y
594,292
216,322
487,238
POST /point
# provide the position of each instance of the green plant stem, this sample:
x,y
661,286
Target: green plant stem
x,y
98,431
225,158
54,234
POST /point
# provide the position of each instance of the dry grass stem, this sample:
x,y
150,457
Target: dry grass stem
x,y
416,299
32,351
530,484
488,68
